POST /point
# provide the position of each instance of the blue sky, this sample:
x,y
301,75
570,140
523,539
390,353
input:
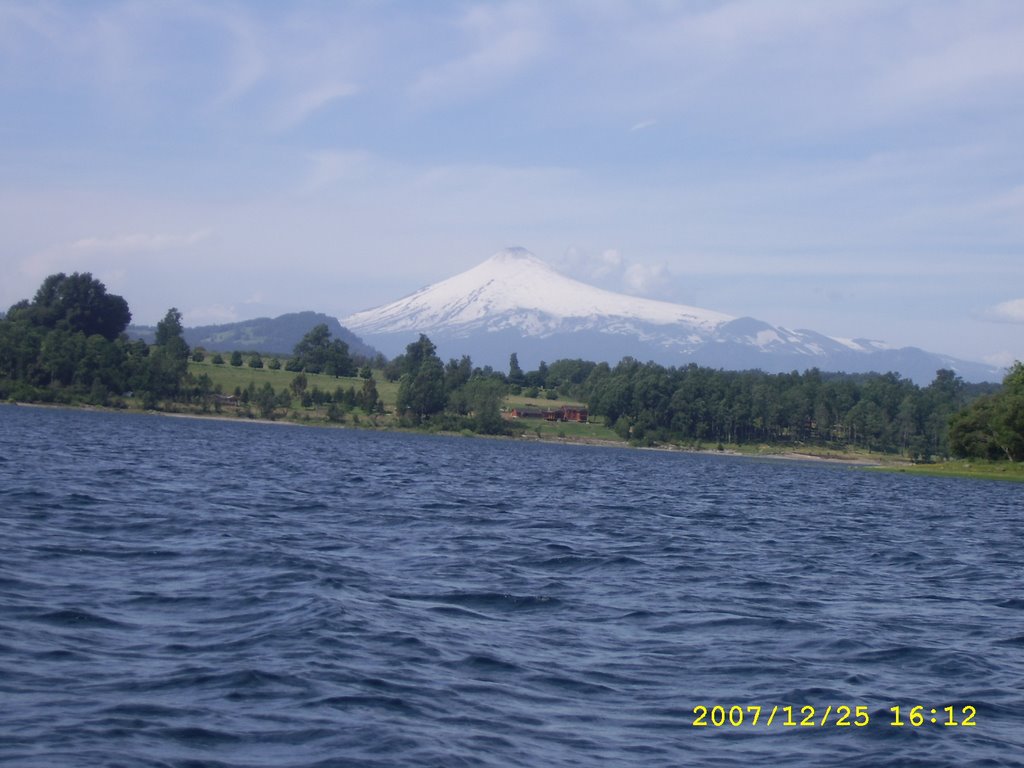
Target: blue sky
x,y
855,168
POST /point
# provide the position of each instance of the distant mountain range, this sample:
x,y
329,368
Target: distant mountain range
x,y
514,302
277,335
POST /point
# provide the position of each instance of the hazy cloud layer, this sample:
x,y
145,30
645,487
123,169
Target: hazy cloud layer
x,y
1008,311
851,166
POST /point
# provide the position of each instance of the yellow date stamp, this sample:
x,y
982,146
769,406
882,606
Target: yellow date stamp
x,y
838,716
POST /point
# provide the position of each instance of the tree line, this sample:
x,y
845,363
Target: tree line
x,y
878,412
69,344
648,403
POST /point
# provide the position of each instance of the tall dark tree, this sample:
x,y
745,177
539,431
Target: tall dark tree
x,y
170,335
368,399
317,353
515,373
310,354
167,363
266,400
339,363
457,373
77,303
945,396
67,337
421,388
483,398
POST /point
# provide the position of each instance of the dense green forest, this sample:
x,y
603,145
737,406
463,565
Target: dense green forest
x,y
68,345
992,427
877,412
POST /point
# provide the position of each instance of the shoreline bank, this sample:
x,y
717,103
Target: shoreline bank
x,y
781,454
961,469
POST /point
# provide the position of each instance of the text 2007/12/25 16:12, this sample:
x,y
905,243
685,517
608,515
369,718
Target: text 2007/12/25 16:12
x,y
841,716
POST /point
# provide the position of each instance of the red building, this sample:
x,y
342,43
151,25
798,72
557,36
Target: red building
x,y
576,413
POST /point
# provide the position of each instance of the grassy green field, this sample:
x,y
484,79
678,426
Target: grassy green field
x,y
568,429
229,377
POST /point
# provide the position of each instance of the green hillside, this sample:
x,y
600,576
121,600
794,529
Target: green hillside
x,y
277,335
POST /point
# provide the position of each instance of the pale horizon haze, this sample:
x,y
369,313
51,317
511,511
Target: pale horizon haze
x,y
853,167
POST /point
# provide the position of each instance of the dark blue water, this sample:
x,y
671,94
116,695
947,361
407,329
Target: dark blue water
x,y
177,592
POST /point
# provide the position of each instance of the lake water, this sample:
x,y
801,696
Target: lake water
x,y
179,592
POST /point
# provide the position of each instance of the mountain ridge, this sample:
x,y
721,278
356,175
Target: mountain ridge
x,y
277,335
515,302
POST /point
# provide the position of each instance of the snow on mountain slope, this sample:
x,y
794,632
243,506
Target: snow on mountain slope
x,y
514,302
514,288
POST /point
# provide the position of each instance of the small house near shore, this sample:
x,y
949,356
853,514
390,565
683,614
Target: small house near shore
x,y
577,413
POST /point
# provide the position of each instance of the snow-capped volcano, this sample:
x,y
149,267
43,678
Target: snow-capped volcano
x,y
515,289
514,302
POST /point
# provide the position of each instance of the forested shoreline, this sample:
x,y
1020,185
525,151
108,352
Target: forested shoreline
x,y
68,345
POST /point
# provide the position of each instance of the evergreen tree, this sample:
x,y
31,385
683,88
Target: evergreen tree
x,y
515,373
167,363
368,399
339,363
266,400
483,398
457,373
421,388
316,352
299,384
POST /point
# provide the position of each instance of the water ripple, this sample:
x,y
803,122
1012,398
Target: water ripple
x,y
184,593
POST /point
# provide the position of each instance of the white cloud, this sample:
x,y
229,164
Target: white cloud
x,y
610,259
247,60
330,167
1011,311
642,125
586,265
138,242
959,52
301,106
111,255
742,26
610,269
851,139
647,279
506,39
1000,359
